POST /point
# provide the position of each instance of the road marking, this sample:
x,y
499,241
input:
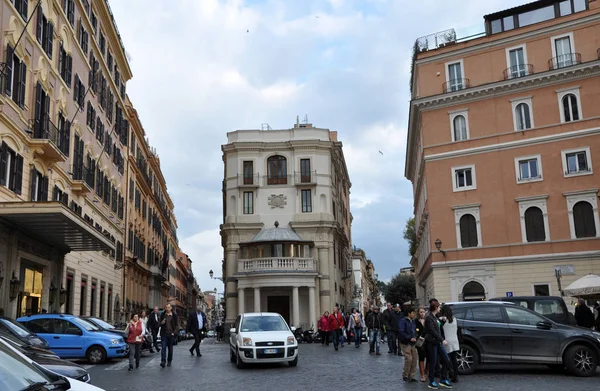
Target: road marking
x,y
89,366
118,366
153,363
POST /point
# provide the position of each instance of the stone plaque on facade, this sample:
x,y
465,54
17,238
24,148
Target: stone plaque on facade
x,y
277,201
566,270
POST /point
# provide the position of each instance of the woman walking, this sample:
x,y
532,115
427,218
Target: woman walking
x,y
435,348
421,346
135,330
451,334
323,327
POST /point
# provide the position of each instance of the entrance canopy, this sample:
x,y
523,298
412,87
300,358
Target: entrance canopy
x,y
585,286
54,224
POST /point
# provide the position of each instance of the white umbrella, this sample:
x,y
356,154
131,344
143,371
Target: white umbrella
x,y
587,285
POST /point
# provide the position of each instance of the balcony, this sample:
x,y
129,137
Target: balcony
x,y
517,71
305,178
277,265
83,180
249,181
156,272
49,142
456,85
276,180
564,61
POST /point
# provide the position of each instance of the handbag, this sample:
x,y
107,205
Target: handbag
x,y
138,338
420,342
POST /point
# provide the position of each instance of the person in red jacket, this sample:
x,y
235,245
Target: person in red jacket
x,y
323,327
336,325
134,339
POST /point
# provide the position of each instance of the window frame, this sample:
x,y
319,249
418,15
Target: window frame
x,y
460,211
452,115
526,61
557,37
248,208
309,205
275,178
518,161
560,94
516,102
572,198
526,203
534,284
473,178
565,165
462,71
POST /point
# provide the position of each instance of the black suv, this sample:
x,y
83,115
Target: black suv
x,y
504,333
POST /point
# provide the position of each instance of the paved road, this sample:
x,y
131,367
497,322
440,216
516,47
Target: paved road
x,y
318,366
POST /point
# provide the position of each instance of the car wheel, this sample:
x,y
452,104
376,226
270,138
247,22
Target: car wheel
x,y
96,355
238,361
581,361
231,355
468,359
294,362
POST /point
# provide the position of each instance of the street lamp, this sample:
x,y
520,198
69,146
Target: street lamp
x,y
52,293
14,287
438,245
211,274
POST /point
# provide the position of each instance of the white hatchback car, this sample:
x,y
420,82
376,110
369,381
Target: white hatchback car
x,y
262,338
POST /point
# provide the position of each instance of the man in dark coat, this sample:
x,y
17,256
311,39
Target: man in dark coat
x,y
583,315
168,330
197,326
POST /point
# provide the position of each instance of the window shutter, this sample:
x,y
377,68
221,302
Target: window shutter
x,y
67,138
65,199
76,91
46,116
55,193
33,180
22,84
69,72
80,158
10,52
24,9
3,160
44,189
50,38
583,219
39,27
18,177
468,231
38,109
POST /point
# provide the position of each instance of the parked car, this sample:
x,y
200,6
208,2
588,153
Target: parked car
x,y
72,337
552,307
262,338
14,328
19,372
211,334
104,326
504,333
28,348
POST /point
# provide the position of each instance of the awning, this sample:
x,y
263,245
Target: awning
x,y
54,224
585,286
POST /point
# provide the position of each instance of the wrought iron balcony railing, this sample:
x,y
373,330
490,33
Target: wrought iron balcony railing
x,y
305,178
518,71
564,61
456,85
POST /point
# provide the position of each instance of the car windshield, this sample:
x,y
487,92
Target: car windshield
x,y
16,373
101,323
15,327
263,323
88,326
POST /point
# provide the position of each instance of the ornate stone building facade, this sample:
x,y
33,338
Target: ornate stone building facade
x,y
286,232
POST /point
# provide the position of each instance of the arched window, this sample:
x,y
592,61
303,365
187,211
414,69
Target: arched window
x,y
583,219
460,128
277,170
534,225
570,109
523,116
473,291
468,231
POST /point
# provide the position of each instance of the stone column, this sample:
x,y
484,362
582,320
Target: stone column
x,y
231,284
325,280
311,307
241,303
256,299
295,307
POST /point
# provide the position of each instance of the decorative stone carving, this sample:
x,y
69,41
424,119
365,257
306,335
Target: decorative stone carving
x,y
277,201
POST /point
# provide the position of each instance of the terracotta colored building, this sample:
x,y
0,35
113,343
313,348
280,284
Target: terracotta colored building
x,y
503,134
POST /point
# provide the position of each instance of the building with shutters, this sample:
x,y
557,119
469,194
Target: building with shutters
x,y
63,135
503,135
286,223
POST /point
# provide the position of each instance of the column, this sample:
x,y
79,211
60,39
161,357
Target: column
x,y
295,307
325,284
230,284
241,303
311,307
256,299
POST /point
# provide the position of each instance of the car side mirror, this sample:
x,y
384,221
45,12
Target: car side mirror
x,y
293,328
232,330
544,325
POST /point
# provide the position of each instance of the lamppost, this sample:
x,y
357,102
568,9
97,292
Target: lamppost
x,y
14,287
211,274
438,245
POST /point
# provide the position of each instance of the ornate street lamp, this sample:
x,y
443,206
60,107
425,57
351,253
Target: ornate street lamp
x,y
211,274
62,296
438,245
14,287
52,293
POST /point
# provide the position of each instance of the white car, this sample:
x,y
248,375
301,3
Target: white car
x,y
18,372
262,338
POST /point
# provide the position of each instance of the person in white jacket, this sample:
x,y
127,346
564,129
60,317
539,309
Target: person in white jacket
x,y
450,328
356,323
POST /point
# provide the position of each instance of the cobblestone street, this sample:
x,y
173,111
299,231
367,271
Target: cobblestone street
x,y
317,366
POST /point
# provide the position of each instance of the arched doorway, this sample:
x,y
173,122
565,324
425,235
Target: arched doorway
x,y
473,291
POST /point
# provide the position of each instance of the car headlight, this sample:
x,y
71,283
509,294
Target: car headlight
x,y
114,341
247,341
291,340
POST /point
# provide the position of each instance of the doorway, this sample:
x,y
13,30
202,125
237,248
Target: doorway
x,y
280,305
473,291
30,298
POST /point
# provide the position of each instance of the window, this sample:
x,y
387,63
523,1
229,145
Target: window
x,y
94,20
468,231
69,8
109,62
78,147
11,169
45,32
63,141
528,169
277,170
248,168
536,16
541,290
484,313
248,202
522,116
102,43
534,219
79,92
463,178
305,171
563,52
306,201
583,219
21,6
521,316
459,124
83,37
570,108
15,77
577,162
454,76
60,196
41,127
39,186
517,62
468,225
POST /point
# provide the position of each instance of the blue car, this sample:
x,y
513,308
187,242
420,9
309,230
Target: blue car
x,y
72,337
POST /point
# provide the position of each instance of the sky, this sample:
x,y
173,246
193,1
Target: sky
x,y
203,68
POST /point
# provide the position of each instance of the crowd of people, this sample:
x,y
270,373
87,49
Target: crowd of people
x,y
428,338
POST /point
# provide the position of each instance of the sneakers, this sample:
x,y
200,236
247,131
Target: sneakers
x,y
162,364
433,385
445,383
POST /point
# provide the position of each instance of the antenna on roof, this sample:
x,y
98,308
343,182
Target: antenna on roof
x,y
265,126
297,120
305,118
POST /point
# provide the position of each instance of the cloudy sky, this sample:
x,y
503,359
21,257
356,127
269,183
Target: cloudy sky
x,y
203,68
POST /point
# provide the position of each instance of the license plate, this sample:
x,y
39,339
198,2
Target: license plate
x,y
270,351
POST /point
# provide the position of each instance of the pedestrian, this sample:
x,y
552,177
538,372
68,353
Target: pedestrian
x,y
356,323
336,326
147,336
154,326
196,325
135,336
387,318
375,326
597,316
436,351
323,327
408,339
168,329
451,335
395,317
421,344
583,315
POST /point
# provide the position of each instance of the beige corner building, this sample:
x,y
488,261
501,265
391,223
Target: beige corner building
x,y
503,140
286,223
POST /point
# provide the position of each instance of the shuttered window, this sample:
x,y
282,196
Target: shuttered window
x,y
583,219
468,231
534,225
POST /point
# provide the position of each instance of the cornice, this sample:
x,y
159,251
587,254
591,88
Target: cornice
x,y
105,13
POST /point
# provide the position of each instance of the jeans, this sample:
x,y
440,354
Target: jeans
x,y
166,341
155,340
357,335
335,335
454,362
374,341
324,337
391,340
134,354
436,354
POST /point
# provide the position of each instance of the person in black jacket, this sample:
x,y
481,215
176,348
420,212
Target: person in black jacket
x,y
387,319
153,326
583,315
168,330
375,326
197,326
435,348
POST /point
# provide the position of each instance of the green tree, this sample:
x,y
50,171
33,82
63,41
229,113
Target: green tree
x,y
401,289
410,234
382,287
